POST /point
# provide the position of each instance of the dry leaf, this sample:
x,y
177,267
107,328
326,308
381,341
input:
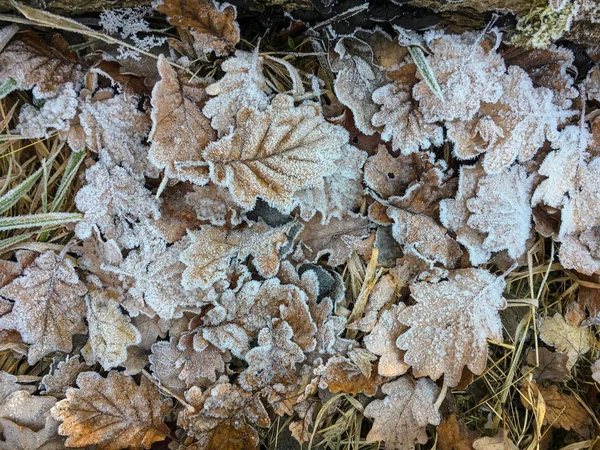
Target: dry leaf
x,y
223,417
274,153
401,417
9,384
212,25
341,374
338,239
450,324
33,64
212,250
498,442
562,411
176,215
62,376
582,252
215,205
579,213
574,341
110,331
49,307
180,132
383,293
453,435
112,412
551,366
382,342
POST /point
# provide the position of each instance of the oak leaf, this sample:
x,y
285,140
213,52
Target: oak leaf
x,y
498,442
110,331
212,250
212,25
401,417
62,376
453,435
382,341
450,323
180,131
341,374
49,307
274,153
578,214
243,85
383,294
223,417
215,205
112,412
574,341
9,384
549,365
582,252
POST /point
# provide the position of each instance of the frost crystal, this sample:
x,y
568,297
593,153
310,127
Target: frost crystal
x,y
55,114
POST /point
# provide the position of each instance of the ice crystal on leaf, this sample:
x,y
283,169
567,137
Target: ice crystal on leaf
x,y
401,417
469,72
48,308
224,416
211,24
450,324
582,252
180,131
342,374
243,85
43,67
513,128
110,331
274,359
490,213
113,200
402,121
274,153
212,250
112,412
215,205
580,212
62,376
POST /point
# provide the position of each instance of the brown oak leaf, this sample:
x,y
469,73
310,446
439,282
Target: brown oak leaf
x,y
452,434
450,323
62,376
212,25
401,417
274,153
223,417
574,341
112,412
341,374
48,308
180,131
551,366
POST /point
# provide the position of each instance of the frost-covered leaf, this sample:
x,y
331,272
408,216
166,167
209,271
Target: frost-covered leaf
x,y
399,115
382,341
55,114
401,417
383,293
359,73
338,239
212,25
243,85
274,153
490,213
180,131
176,216
212,250
224,417
341,374
513,128
198,360
468,71
17,437
337,194
423,237
215,205
274,359
112,412
574,341
561,168
36,65
582,252
62,376
114,200
547,68
110,331
580,211
48,307
9,270
9,384
450,323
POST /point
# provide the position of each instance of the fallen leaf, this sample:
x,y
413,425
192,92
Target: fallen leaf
x,y
382,341
62,376
112,413
342,375
498,442
574,341
453,435
552,365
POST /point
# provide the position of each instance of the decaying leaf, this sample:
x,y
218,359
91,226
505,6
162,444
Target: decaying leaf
x,y
110,331
549,365
450,324
401,417
562,411
453,435
498,442
582,252
212,25
215,205
112,412
341,374
338,239
574,341
48,308
224,417
180,131
579,213
62,377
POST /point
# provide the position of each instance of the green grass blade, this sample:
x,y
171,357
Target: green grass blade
x,y
73,164
38,220
425,69
9,242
